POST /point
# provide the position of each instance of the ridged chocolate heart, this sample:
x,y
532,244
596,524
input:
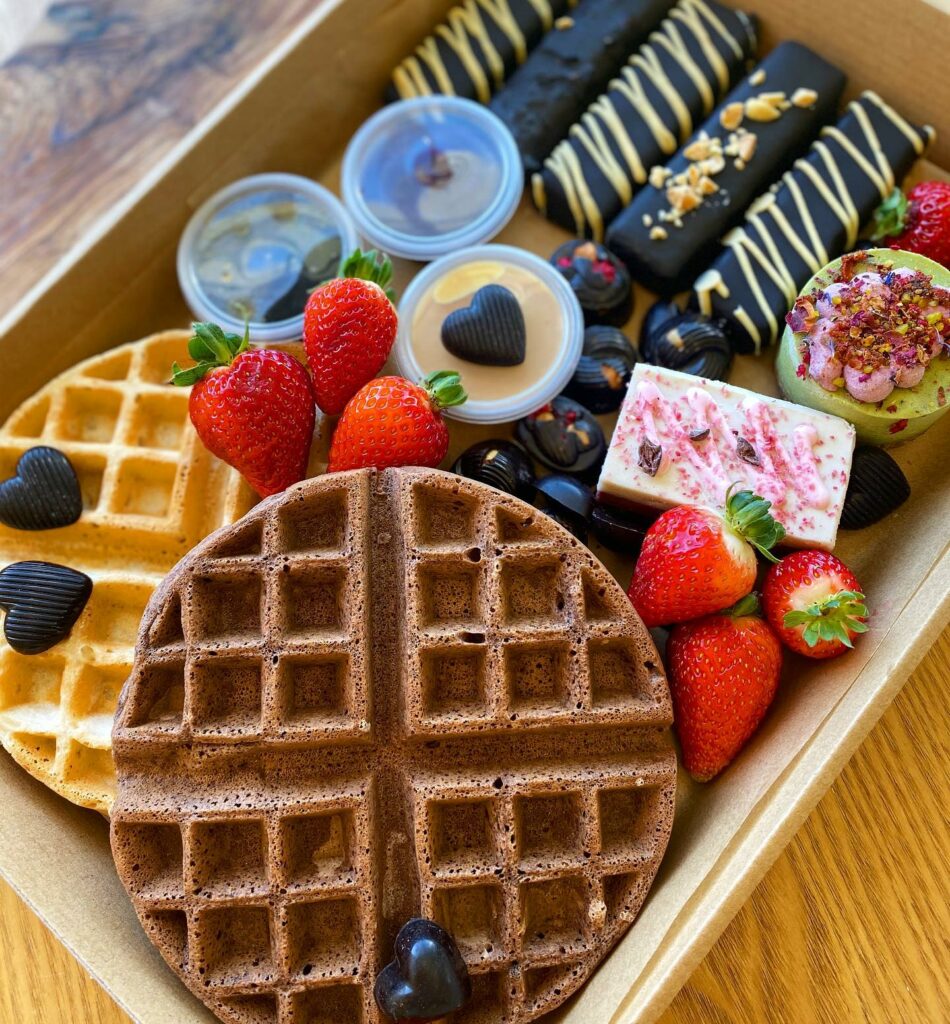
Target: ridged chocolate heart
x,y
877,487
490,331
44,493
428,979
42,602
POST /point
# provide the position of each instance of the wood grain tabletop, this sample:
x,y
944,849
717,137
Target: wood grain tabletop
x,y
851,924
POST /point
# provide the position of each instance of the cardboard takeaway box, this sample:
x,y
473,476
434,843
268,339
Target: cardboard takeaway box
x,y
295,114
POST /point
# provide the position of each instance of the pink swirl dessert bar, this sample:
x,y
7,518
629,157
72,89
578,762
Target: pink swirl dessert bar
x,y
684,440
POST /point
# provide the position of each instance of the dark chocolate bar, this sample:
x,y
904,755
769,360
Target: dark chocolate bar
x,y
569,69
647,112
671,231
810,217
476,48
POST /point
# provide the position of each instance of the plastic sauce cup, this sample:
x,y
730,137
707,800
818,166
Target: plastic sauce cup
x,y
428,176
255,250
554,330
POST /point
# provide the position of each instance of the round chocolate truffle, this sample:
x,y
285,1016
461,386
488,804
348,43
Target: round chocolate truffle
x,y
599,280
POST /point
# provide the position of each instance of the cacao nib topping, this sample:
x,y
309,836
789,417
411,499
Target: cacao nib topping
x,y
746,452
650,456
699,435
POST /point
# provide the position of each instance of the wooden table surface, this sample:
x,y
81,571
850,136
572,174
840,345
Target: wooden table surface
x,y
851,923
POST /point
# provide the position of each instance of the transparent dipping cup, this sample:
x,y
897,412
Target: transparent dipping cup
x,y
254,251
428,176
557,357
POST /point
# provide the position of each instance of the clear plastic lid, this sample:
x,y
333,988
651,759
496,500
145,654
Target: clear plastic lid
x,y
255,250
427,176
554,328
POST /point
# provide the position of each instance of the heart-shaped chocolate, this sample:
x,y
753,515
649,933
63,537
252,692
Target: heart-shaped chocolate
x,y
428,978
42,602
490,331
877,487
44,493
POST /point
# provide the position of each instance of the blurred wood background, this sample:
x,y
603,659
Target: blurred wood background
x,y
852,922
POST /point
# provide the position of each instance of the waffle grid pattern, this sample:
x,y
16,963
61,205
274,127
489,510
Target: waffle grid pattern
x,y
410,779
494,599
150,492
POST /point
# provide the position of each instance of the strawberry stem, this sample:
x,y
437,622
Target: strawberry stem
x,y
832,618
370,266
890,217
444,388
210,347
749,516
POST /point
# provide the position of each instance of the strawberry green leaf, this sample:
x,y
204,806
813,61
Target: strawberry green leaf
x,y
185,378
749,515
445,389
890,218
210,347
744,607
370,266
833,618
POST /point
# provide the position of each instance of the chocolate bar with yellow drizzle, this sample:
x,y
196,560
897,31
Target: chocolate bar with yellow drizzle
x,y
569,69
476,48
671,230
647,112
811,216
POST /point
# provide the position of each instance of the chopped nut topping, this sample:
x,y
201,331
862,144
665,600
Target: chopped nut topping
x,y
714,165
804,97
698,150
731,116
774,99
658,176
746,146
682,198
757,109
647,220
563,23
707,186
657,234
757,77
739,164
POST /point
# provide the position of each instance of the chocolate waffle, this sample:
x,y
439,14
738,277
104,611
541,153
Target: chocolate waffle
x,y
150,492
382,696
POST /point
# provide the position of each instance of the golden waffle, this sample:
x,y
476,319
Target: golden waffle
x,y
382,696
150,492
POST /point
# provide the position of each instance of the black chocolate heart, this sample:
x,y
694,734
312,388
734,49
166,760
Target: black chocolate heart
x,y
42,602
44,493
428,978
877,487
490,331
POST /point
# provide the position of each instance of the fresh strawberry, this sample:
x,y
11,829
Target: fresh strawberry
x,y
918,222
393,422
253,408
695,561
815,604
724,672
349,328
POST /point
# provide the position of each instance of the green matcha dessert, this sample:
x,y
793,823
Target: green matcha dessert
x,y
868,339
